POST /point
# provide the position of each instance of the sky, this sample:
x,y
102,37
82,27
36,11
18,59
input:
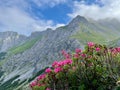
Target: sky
x,y
26,16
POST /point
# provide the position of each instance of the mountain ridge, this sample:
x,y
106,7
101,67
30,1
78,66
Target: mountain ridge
x,y
40,49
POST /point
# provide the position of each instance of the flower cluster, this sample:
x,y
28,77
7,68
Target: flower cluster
x,y
65,54
57,66
36,82
115,51
90,67
61,63
90,44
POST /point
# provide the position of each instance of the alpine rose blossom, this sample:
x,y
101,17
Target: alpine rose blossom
x,y
83,55
48,70
34,83
67,61
48,89
67,56
78,50
41,77
118,49
60,63
58,69
63,52
90,44
55,63
97,49
76,56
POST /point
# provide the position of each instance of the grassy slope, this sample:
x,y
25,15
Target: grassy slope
x,y
10,85
21,48
25,46
113,43
87,33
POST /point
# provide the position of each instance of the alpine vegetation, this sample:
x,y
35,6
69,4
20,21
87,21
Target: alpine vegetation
x,y
97,67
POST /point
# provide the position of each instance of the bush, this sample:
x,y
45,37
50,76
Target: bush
x,y
95,68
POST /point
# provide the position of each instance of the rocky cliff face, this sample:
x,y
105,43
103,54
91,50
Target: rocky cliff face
x,y
27,55
42,53
9,39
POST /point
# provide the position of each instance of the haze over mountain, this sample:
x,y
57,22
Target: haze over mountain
x,y
23,56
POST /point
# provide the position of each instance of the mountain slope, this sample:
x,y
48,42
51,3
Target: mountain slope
x,y
114,43
98,32
9,39
40,49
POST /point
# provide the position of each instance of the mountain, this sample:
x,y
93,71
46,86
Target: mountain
x,y
22,57
114,43
98,31
9,39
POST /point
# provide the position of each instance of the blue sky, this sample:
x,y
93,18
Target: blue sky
x,y
26,16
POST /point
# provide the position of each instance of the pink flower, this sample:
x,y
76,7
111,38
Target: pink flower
x,y
34,83
38,84
118,49
97,49
58,69
114,51
41,77
67,61
60,63
76,55
90,44
48,89
78,50
55,63
63,52
48,70
67,56
83,55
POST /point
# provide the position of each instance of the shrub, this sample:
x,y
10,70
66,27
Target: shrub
x,y
95,68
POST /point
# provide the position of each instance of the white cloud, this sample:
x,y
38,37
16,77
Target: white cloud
x,y
59,25
14,3
50,3
110,9
14,18
26,3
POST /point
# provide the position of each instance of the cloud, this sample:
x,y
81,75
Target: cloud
x,y
14,17
49,3
109,9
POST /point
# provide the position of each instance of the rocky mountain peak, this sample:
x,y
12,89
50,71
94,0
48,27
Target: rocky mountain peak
x,y
77,20
40,33
7,33
48,29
